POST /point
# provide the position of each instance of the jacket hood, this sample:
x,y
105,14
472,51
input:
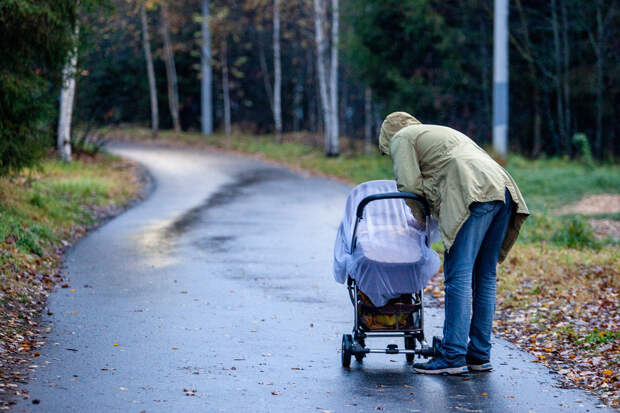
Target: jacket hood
x,y
394,122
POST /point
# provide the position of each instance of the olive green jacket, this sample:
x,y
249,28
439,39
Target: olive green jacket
x,y
451,172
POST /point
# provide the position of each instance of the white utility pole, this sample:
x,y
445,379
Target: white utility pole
x,y
206,92
500,77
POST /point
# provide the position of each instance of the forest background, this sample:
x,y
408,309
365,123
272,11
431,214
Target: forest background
x,y
430,58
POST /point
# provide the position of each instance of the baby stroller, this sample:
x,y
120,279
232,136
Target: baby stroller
x,y
385,259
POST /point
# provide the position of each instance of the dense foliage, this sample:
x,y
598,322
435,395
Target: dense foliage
x,y
35,36
434,58
430,57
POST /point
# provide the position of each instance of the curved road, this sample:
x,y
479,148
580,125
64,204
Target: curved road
x,y
216,295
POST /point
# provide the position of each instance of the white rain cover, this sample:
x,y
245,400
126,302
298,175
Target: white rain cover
x,y
391,257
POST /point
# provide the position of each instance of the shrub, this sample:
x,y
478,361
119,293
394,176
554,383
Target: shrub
x,y
575,232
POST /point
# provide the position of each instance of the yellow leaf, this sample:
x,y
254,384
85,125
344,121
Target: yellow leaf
x,y
175,348
485,394
608,372
72,290
115,345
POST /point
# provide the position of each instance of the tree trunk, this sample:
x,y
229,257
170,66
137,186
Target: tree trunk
x,y
557,77
67,93
264,70
600,56
225,88
171,73
146,43
277,72
206,83
333,145
537,143
321,51
565,78
298,95
367,120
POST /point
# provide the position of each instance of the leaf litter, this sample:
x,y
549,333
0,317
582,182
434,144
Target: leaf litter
x,y
28,277
563,307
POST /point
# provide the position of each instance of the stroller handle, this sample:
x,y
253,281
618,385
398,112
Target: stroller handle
x,y
391,195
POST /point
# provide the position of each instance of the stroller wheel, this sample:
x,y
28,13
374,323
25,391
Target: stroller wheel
x,y
360,356
347,346
410,345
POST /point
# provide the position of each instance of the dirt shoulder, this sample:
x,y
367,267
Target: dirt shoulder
x,y
43,212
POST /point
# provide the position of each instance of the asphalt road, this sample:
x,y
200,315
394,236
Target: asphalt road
x,y
216,295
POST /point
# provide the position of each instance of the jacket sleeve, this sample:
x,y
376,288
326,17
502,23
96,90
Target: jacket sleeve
x,y
407,173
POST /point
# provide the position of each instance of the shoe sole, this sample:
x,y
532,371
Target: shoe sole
x,y
447,370
480,367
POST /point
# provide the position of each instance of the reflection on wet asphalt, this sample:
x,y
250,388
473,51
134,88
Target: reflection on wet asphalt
x,y
224,195
216,294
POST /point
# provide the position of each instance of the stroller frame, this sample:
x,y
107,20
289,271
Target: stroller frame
x,y
355,345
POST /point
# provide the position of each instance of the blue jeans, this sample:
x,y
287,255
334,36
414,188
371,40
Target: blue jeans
x,y
470,264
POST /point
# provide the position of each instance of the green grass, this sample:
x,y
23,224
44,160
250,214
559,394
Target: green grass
x,y
38,207
549,184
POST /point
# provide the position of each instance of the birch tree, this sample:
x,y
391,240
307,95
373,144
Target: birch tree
x,y
206,82
277,72
171,73
146,43
67,93
328,92
321,47
332,144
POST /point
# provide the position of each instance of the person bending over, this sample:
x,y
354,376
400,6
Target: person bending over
x,y
479,209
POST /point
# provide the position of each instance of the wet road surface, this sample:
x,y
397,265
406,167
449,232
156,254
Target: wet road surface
x,y
216,295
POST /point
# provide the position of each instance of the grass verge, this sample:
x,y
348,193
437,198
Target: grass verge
x,y
558,293
42,211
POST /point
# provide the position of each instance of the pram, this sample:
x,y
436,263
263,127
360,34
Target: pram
x,y
385,259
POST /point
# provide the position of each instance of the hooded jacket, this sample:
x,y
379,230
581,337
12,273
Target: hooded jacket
x,y
451,172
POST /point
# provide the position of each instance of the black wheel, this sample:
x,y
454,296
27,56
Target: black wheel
x,y
347,346
360,356
410,345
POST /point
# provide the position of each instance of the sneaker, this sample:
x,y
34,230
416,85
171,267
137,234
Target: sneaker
x,y
476,364
441,366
